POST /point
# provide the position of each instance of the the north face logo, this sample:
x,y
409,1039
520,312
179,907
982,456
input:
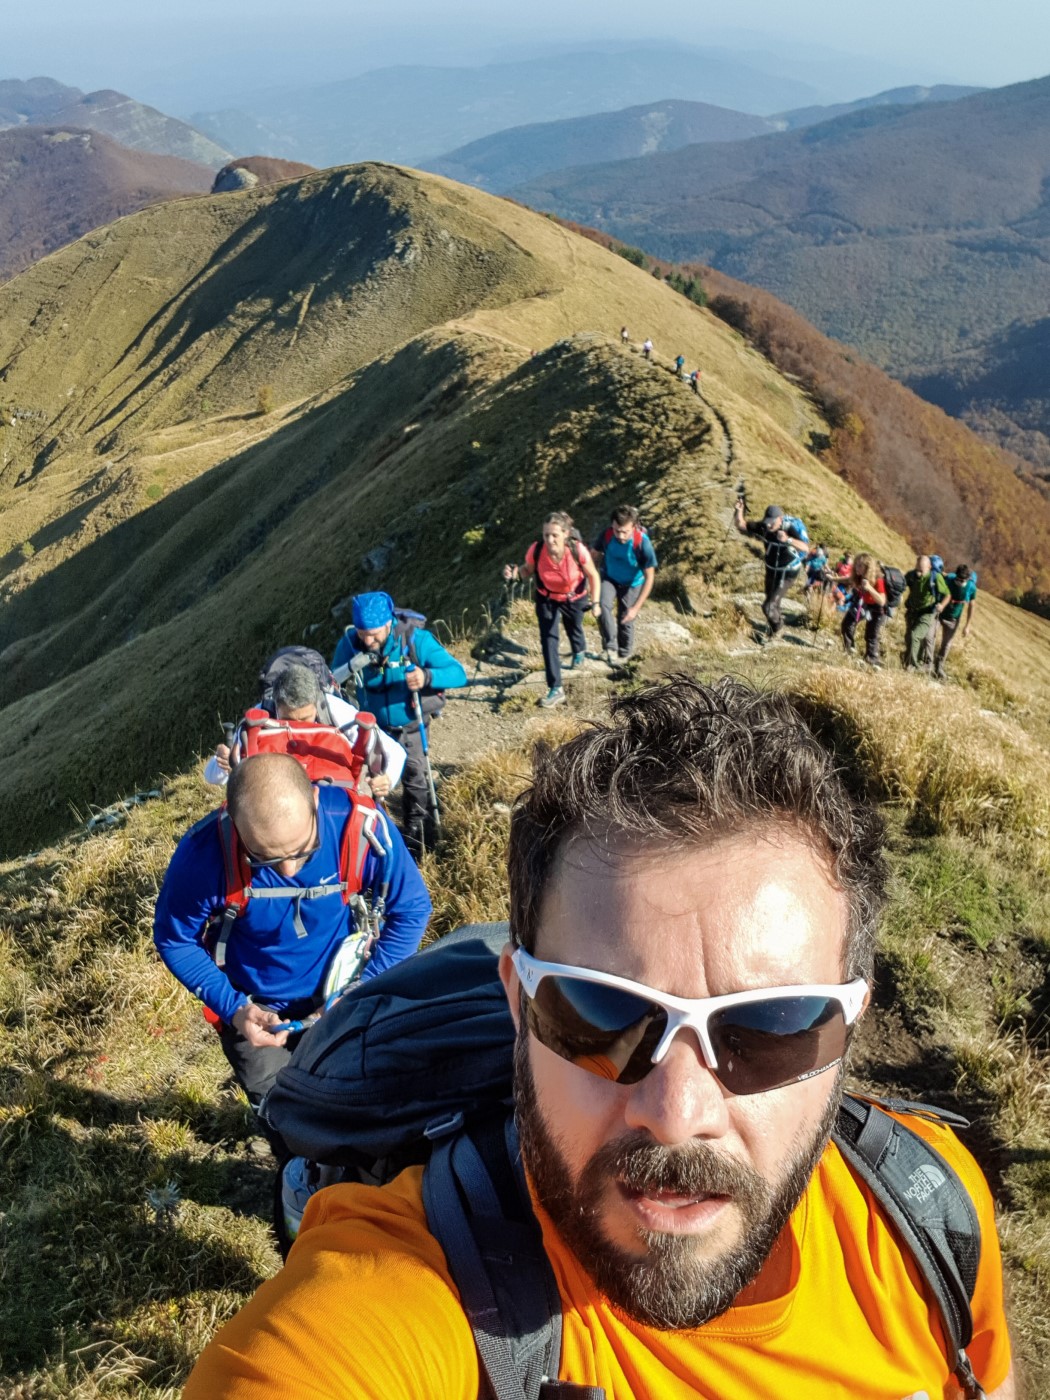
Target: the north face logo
x,y
925,1181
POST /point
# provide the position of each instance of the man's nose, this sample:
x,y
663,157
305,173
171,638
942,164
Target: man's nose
x,y
679,1099
288,868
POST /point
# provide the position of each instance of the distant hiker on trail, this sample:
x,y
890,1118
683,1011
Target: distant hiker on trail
x,y
647,349
927,595
962,588
297,697
260,911
567,584
694,380
785,542
679,365
681,1200
628,570
624,337
867,599
401,672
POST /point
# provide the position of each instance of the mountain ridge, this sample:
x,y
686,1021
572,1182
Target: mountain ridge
x,y
907,232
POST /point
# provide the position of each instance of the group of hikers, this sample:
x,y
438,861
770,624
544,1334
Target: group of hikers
x,y
604,1149
938,606
693,378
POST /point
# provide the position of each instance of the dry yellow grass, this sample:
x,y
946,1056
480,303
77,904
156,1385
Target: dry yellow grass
x,y
933,751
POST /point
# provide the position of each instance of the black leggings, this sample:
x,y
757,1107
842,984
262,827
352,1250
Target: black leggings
x,y
548,611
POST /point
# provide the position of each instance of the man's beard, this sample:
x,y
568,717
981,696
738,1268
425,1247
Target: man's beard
x,y
672,1286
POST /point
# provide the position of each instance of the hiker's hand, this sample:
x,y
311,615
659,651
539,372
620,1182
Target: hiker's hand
x,y
782,536
416,678
222,757
631,613
510,571
252,1021
380,784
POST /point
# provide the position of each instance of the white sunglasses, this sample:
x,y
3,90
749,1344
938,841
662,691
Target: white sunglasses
x,y
751,1041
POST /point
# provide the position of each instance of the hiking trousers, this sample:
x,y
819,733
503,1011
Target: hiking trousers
x,y
548,614
778,581
623,596
415,792
949,631
875,619
255,1067
918,640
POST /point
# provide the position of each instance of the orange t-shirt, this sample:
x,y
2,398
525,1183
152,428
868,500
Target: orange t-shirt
x,y
365,1310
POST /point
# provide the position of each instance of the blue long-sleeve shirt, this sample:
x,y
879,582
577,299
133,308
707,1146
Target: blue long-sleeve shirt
x,y
266,957
381,689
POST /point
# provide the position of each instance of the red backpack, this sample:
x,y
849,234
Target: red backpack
x,y
323,750
328,757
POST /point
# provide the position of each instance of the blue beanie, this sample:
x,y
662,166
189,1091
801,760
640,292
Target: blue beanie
x,y
373,610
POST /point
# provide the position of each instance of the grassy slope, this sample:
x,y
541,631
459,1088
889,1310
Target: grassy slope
x,y
112,1089
449,446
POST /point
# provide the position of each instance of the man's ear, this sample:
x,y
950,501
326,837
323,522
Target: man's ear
x,y
317,796
509,977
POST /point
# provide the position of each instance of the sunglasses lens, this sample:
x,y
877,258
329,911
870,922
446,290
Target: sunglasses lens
x,y
762,1045
609,1032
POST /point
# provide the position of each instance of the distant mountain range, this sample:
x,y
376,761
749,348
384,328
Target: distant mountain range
x,y
919,234
414,114
507,158
45,102
57,183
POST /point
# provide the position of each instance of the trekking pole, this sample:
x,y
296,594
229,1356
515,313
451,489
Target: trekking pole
x,y
820,610
417,710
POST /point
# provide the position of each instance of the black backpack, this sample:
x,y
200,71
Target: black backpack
x,y
297,656
415,1066
895,583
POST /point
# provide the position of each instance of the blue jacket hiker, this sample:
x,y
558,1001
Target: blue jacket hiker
x,y
262,905
628,570
401,671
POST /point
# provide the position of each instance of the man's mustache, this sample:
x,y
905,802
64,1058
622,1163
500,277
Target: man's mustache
x,y
643,1166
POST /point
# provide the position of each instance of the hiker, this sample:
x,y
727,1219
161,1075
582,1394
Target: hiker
x,y
647,349
567,584
695,896
624,337
962,589
785,542
297,697
816,568
261,961
927,595
679,366
867,600
401,672
694,380
628,568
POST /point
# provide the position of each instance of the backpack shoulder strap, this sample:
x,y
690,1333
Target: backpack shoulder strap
x,y
928,1206
238,876
362,833
478,1209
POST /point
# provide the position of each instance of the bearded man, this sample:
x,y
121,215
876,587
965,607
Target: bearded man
x,y
694,899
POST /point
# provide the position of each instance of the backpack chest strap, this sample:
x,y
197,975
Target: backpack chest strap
x,y
297,896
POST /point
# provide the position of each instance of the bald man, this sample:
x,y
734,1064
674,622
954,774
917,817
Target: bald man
x,y
282,944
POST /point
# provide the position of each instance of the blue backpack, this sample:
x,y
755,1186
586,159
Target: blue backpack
x,y
415,1066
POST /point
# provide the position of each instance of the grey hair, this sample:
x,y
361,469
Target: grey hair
x,y
295,687
682,764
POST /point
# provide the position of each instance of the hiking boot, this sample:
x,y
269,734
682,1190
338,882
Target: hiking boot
x,y
875,665
578,659
608,657
554,696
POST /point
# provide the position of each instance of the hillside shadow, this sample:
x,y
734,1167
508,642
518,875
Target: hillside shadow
x,y
67,601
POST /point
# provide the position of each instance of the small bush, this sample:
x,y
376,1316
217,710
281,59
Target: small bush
x,y
27,549
633,255
265,401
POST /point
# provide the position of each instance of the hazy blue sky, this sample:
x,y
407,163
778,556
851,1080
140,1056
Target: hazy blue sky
x,y
206,52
